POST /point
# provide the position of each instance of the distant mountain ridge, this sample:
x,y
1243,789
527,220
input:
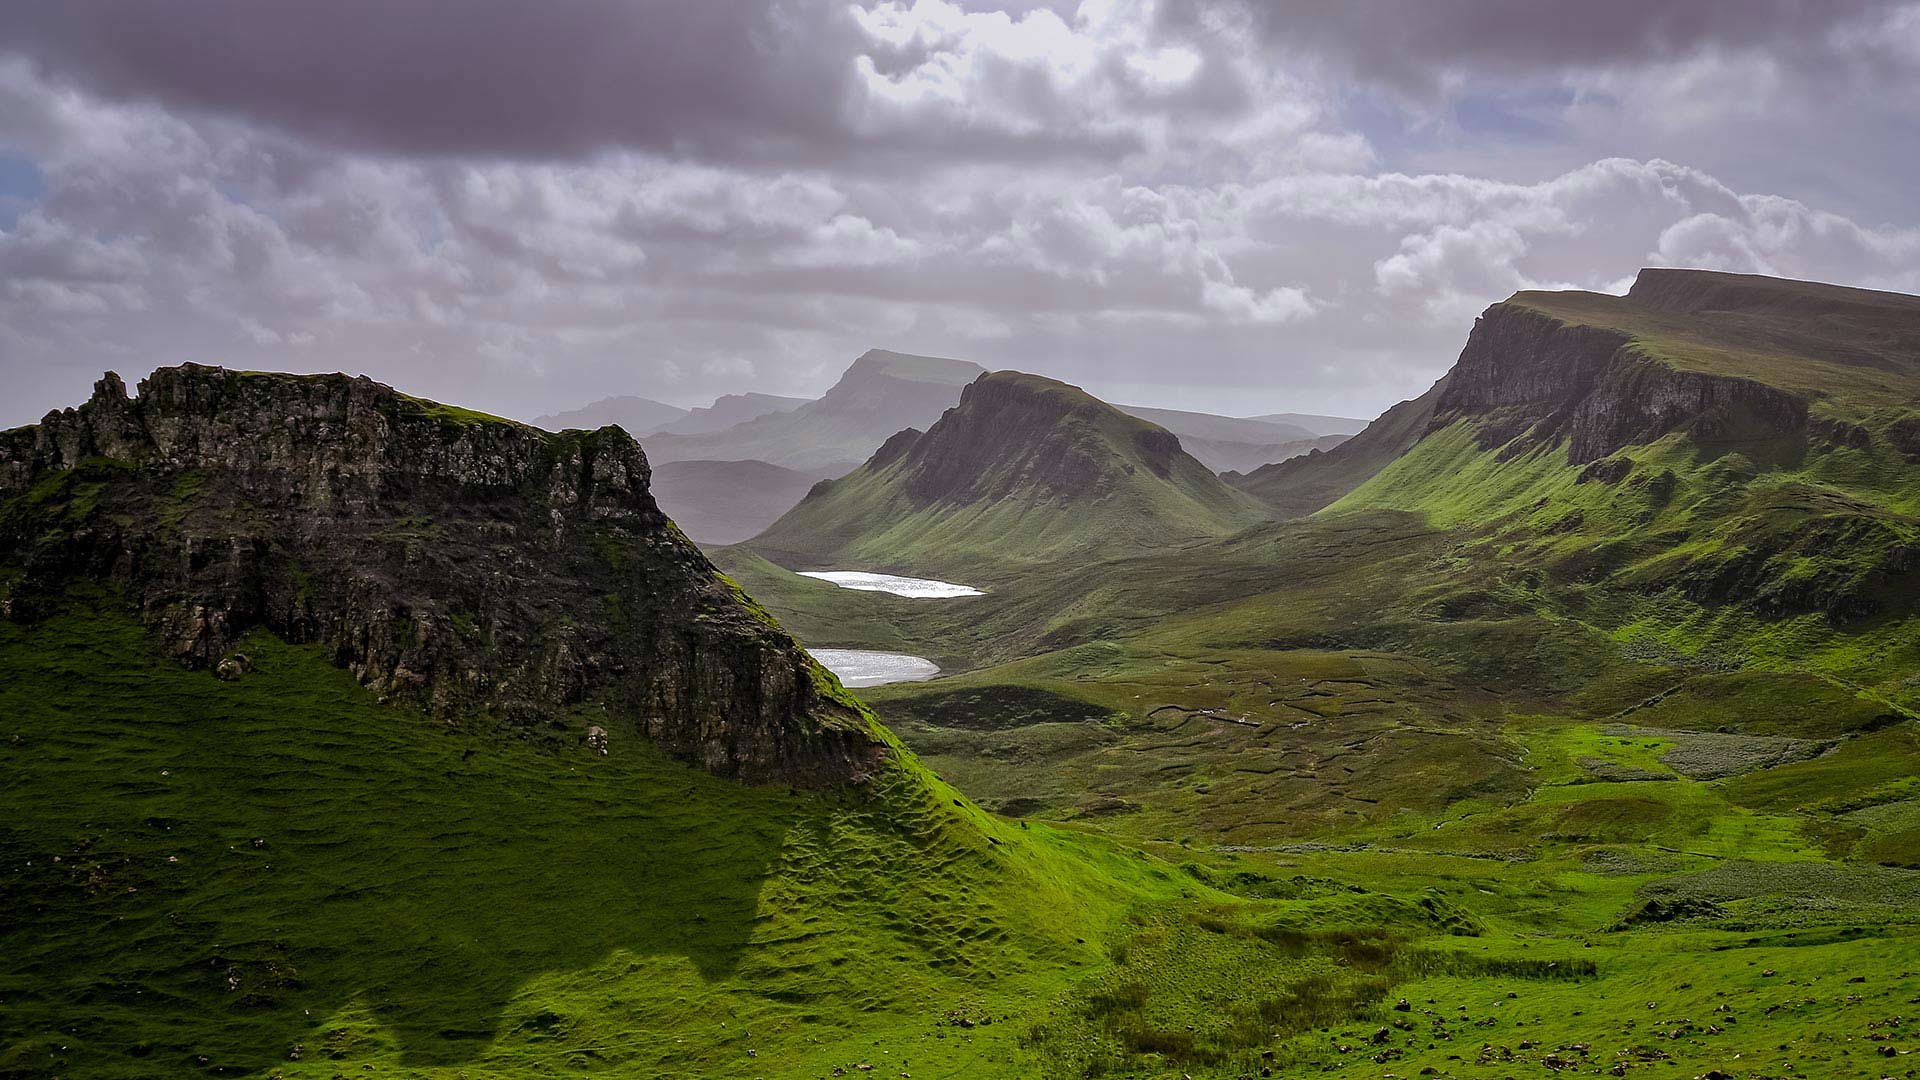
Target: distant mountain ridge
x,y
881,393
1024,469
637,415
728,410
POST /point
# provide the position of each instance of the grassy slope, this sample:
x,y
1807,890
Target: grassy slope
x,y
197,869
521,912
1598,708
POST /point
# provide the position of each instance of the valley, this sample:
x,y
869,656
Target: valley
x,y
1563,720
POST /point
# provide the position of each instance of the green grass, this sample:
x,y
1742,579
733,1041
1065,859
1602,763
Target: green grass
x,y
198,869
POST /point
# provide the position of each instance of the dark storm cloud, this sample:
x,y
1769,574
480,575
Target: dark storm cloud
x,y
769,82
493,77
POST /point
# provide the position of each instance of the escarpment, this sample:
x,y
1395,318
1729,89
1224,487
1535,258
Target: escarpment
x,y
482,570
1526,374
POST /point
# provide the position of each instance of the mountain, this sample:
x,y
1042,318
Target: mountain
x,y
1304,483
880,394
725,502
1318,425
637,415
1023,470
726,411
480,570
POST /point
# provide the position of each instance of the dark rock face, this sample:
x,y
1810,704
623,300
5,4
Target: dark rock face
x,y
471,566
1524,373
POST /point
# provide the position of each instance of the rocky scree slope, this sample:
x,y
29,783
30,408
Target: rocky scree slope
x,y
468,565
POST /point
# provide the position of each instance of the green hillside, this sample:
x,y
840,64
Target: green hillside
x,y
1024,471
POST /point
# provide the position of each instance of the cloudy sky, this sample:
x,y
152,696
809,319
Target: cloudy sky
x,y
1218,204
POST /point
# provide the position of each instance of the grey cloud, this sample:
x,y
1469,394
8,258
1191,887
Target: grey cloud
x,y
772,82
1419,46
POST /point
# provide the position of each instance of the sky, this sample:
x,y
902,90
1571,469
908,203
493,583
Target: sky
x,y
1239,206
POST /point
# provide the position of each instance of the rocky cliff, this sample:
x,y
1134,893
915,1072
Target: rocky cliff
x,y
1525,372
483,570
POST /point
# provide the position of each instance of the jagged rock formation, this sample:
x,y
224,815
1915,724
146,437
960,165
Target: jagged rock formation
x,y
1023,469
468,565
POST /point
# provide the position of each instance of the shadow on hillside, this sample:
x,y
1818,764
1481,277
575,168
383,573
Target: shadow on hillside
x,y
241,862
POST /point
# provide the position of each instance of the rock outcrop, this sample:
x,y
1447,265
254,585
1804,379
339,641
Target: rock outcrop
x,y
472,566
1526,373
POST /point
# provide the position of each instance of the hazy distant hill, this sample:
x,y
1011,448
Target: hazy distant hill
x,y
880,394
1221,428
731,409
1302,484
1319,425
725,502
1026,469
637,415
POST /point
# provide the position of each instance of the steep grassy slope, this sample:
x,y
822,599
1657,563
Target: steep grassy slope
x,y
1304,483
1024,471
880,394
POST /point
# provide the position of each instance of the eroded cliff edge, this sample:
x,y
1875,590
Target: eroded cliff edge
x,y
483,570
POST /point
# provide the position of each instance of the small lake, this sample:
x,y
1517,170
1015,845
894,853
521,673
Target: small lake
x,y
919,588
864,667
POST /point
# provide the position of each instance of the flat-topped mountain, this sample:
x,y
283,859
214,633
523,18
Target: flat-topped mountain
x,y
1735,439
1024,469
475,567
1733,362
880,394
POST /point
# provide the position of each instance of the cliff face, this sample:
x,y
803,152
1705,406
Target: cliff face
x,y
471,566
1526,373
